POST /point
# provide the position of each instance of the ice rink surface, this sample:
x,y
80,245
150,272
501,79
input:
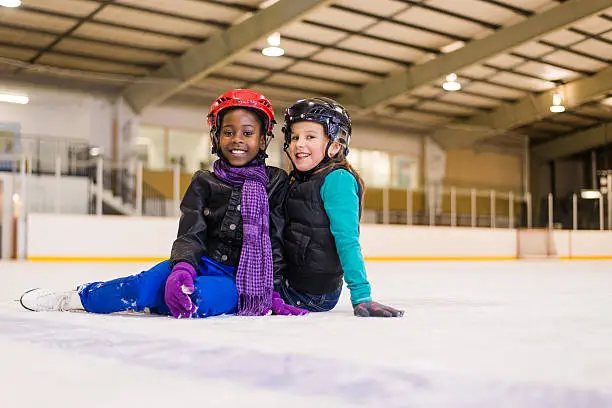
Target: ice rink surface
x,y
475,334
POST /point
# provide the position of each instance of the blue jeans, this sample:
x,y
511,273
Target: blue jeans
x,y
215,291
314,303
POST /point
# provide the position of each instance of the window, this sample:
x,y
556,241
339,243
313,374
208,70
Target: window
x,y
159,148
189,149
373,166
382,169
405,172
275,153
150,147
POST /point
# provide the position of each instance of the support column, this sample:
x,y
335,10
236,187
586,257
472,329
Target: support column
x,y
537,191
593,167
553,178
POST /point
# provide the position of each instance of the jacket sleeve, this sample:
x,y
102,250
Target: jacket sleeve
x,y
189,245
340,194
277,190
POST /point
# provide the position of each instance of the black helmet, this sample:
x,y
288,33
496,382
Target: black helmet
x,y
329,113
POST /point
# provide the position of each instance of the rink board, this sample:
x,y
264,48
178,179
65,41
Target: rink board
x,y
52,237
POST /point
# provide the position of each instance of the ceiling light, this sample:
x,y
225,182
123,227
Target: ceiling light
x,y
590,194
10,3
557,103
273,49
451,83
454,46
557,109
11,98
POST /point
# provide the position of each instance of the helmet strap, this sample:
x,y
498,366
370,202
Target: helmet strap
x,y
327,158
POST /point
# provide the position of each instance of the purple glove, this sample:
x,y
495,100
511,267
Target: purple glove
x,y
279,307
178,288
375,309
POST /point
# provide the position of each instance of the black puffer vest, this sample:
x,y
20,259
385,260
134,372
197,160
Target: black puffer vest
x,y
313,265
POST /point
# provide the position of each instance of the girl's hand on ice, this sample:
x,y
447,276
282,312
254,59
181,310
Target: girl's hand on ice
x,y
178,288
375,309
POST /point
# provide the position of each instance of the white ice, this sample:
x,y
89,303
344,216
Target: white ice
x,y
475,334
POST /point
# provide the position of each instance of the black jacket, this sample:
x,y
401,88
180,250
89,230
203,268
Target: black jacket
x,y
211,222
313,265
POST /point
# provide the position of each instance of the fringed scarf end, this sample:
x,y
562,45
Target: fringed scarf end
x,y
258,305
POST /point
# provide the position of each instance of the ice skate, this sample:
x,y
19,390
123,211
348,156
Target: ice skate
x,y
43,300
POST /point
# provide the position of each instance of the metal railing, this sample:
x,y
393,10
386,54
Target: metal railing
x,y
153,201
454,207
41,152
439,206
113,189
128,186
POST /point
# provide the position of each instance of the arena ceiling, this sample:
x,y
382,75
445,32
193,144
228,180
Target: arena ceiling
x,y
385,59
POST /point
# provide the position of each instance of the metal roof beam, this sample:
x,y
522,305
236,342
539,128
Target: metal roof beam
x,y
477,51
530,109
572,144
218,50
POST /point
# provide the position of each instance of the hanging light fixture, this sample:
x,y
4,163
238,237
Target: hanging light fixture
x,y
451,83
273,49
10,3
590,194
557,103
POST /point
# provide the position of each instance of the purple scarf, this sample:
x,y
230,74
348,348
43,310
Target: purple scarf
x,y
254,279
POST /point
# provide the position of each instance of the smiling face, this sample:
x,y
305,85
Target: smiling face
x,y
240,137
308,144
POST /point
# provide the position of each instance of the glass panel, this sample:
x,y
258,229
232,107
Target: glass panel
x,y
190,149
405,172
150,147
375,168
275,153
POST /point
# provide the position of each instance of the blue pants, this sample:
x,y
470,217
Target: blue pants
x,y
215,291
314,303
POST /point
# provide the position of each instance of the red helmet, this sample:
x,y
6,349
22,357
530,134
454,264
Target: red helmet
x,y
243,98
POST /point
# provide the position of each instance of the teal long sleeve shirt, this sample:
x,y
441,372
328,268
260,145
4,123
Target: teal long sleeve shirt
x,y
340,194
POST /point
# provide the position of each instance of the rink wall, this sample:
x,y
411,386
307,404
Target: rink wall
x,y
57,237
52,237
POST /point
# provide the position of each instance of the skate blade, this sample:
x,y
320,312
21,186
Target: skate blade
x,y
21,300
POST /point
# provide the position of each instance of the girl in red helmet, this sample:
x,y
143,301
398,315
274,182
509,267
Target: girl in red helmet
x,y
229,242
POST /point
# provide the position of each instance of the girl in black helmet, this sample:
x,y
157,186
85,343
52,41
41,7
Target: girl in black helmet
x,y
323,208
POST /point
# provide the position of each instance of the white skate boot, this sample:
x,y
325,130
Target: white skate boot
x,y
43,300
